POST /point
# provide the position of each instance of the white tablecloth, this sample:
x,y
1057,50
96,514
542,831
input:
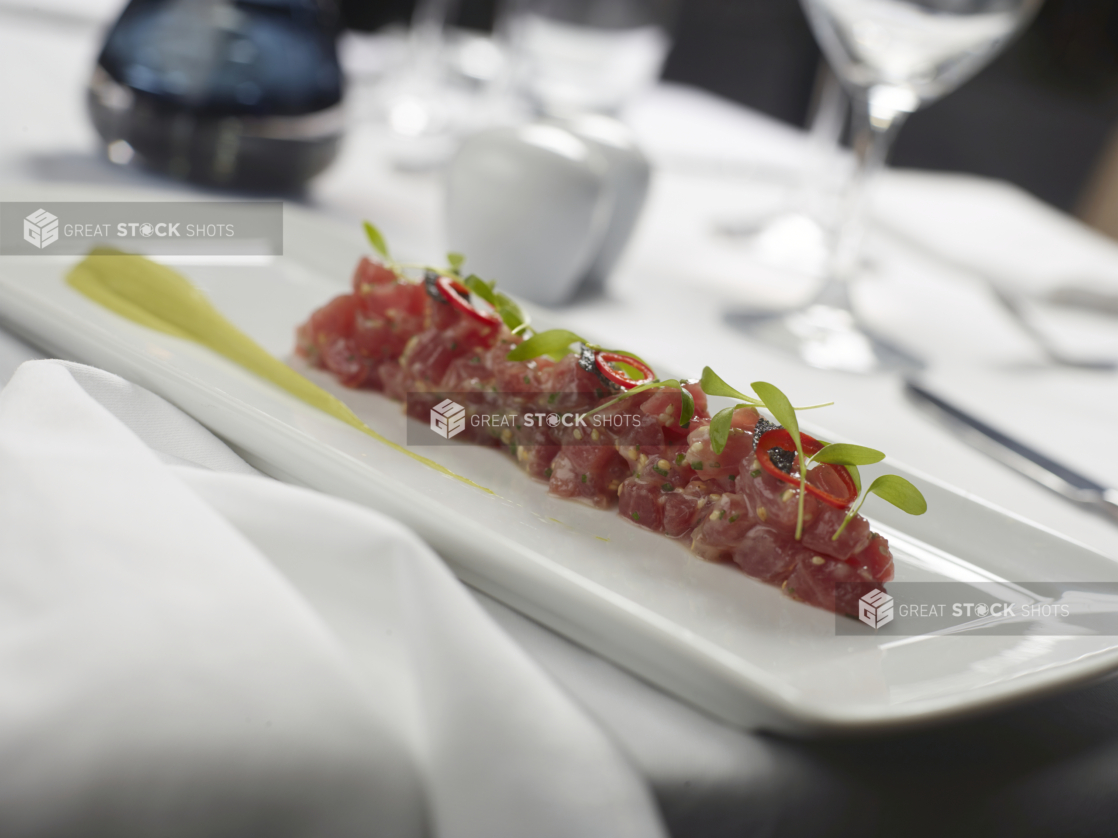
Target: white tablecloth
x,y
194,648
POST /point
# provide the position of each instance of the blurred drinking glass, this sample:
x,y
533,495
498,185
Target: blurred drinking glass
x,y
422,106
794,236
892,56
580,56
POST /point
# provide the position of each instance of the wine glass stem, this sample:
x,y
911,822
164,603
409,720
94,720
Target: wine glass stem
x,y
876,124
428,30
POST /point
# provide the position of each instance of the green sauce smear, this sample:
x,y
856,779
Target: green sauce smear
x,y
160,298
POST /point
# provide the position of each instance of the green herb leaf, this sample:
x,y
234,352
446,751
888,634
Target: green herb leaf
x,y
894,489
713,385
486,290
506,308
720,428
686,408
455,261
845,454
779,406
376,240
640,388
900,493
554,343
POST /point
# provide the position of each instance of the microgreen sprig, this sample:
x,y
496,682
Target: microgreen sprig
x,y
380,245
554,343
376,239
714,385
778,405
640,388
893,488
720,426
848,456
506,308
687,405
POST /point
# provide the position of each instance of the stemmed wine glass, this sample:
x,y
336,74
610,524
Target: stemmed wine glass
x,y
892,56
794,237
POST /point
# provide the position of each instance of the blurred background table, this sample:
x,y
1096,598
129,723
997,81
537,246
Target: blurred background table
x,y
1043,769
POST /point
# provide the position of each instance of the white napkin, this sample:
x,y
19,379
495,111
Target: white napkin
x,y
196,649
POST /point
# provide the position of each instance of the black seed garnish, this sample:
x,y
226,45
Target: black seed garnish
x,y
763,427
431,283
782,459
587,359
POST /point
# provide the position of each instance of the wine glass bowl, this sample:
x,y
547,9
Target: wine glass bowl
x,y
917,50
892,56
588,56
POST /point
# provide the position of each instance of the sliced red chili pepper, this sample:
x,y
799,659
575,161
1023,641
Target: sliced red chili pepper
x,y
780,439
616,375
458,295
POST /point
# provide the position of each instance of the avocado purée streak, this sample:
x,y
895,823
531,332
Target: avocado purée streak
x,y
155,296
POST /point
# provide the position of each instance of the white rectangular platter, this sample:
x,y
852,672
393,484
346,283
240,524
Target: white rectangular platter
x,y
704,632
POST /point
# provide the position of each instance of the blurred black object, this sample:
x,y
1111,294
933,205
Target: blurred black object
x,y
758,52
370,15
1040,116
233,93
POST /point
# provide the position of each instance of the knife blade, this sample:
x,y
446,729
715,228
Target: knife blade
x,y
1058,477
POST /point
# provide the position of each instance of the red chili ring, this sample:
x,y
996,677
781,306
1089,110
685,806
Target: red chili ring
x,y
604,360
773,439
458,295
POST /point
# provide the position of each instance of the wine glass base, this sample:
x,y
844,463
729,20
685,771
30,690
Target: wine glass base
x,y
790,240
825,337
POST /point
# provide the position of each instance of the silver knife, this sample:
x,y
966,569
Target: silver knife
x,y
1059,478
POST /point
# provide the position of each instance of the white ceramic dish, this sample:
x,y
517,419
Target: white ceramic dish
x,y
707,633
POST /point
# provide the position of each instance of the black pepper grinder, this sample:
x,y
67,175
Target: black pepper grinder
x,y
244,94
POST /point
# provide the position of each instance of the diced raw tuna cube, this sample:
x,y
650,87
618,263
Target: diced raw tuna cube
x,y
854,538
768,555
722,530
829,584
642,502
590,473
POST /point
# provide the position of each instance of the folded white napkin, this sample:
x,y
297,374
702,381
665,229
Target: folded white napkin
x,y
189,648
